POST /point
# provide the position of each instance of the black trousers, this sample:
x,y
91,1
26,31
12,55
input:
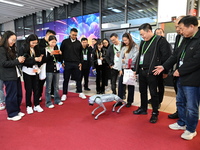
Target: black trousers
x,y
100,78
150,81
72,68
122,89
107,75
114,76
31,83
13,97
161,88
85,74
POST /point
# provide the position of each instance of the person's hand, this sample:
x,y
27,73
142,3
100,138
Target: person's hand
x,y
80,66
120,72
165,76
117,54
101,58
21,59
176,73
123,60
39,59
158,70
60,52
135,75
111,67
63,65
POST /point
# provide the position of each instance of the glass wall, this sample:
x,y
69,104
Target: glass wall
x,y
39,19
74,9
90,6
19,28
113,13
28,25
143,11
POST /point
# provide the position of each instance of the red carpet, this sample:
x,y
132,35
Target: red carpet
x,y
72,127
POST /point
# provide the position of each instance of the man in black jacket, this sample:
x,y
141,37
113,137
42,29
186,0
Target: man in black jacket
x,y
154,50
178,40
187,70
112,58
72,56
42,45
87,51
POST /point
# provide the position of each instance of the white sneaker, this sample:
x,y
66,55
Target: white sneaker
x,y
60,103
64,97
2,106
29,110
175,126
38,108
51,106
16,118
21,114
81,95
187,135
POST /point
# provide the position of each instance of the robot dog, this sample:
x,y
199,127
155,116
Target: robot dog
x,y
100,99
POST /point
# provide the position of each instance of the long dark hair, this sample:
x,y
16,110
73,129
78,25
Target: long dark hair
x,y
99,42
107,41
4,43
31,37
131,42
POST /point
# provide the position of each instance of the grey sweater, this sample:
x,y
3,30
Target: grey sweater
x,y
133,54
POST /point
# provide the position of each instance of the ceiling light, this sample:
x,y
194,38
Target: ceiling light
x,y
11,3
116,10
140,10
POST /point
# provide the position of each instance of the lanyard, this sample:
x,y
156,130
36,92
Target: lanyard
x,y
54,59
180,40
144,52
99,56
115,49
86,51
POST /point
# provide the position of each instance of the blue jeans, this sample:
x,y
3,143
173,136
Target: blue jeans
x,y
187,101
2,96
49,78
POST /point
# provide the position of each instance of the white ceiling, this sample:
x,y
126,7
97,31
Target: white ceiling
x,y
10,12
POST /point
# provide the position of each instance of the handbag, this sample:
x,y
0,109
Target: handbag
x,y
128,77
42,74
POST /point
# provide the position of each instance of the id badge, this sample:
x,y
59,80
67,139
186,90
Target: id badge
x,y
35,68
141,59
99,61
85,57
57,66
180,63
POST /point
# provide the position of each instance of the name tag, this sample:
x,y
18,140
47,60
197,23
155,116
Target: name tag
x,y
141,59
84,57
99,61
180,63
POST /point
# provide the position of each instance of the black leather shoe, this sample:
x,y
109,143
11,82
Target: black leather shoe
x,y
128,105
140,111
154,118
119,104
87,89
98,92
173,116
